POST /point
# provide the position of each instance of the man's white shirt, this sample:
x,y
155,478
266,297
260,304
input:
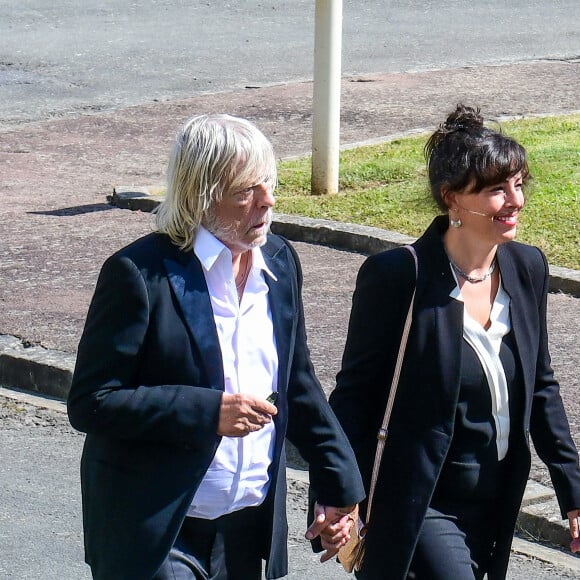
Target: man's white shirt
x,y
238,475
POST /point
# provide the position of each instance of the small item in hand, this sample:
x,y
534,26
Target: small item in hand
x,y
352,553
575,545
272,397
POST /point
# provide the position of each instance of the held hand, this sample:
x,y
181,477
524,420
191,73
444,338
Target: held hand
x,y
242,414
573,516
333,525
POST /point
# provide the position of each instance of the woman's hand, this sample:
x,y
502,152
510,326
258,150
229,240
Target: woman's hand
x,y
573,516
333,525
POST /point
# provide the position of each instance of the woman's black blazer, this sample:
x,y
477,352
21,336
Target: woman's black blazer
x,y
423,417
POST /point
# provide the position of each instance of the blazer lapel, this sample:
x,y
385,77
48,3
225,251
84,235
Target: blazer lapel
x,y
282,296
190,290
448,319
188,284
520,326
437,308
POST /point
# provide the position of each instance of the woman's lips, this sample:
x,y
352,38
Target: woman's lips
x,y
508,220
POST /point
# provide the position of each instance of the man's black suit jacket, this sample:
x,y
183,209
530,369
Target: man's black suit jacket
x,y
147,390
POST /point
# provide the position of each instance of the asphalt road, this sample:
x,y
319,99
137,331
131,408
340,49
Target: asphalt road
x,y
65,57
40,521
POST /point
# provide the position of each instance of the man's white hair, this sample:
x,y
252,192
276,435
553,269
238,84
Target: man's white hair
x,y
213,154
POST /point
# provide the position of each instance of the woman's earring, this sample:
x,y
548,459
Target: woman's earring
x,y
455,223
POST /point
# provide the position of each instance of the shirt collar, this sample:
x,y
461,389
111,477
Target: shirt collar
x,y
208,249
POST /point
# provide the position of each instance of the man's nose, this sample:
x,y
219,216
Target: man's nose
x,y
265,195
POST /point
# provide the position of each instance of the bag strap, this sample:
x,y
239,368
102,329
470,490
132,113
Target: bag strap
x,y
382,434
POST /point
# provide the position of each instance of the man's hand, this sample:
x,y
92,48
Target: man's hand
x,y
242,414
573,516
333,525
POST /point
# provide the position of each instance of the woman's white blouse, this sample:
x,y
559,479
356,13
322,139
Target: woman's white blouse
x,y
487,344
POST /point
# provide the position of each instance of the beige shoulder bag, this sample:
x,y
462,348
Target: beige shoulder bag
x,y
352,554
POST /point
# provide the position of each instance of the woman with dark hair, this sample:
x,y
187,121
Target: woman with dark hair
x,y
476,379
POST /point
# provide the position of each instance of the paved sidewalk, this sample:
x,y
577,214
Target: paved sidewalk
x,y
57,227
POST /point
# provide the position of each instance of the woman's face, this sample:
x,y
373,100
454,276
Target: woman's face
x,y
493,212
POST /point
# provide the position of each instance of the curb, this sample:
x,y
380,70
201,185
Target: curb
x,y
340,235
34,368
539,518
552,556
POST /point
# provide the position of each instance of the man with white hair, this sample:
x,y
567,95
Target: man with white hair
x,y
192,370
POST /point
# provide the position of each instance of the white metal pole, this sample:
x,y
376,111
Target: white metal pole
x,y
326,96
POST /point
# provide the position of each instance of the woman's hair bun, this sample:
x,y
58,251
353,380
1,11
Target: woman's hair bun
x,y
463,118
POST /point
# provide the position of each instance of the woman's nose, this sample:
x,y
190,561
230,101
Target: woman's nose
x,y
514,195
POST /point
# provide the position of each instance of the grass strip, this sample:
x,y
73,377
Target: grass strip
x,y
386,186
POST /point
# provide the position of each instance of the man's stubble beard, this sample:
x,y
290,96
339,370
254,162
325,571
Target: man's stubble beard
x,y
227,233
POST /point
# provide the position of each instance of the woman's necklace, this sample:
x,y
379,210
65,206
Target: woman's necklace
x,y
472,279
